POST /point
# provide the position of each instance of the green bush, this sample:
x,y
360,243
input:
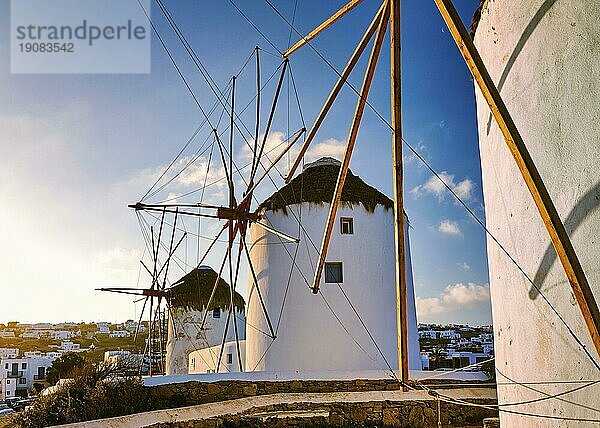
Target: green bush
x,y
94,392
62,367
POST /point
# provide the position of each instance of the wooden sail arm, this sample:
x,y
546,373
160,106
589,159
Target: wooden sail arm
x,y
222,213
140,206
558,235
360,108
144,207
149,292
329,21
360,48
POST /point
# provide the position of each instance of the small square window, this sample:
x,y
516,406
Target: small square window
x,y
333,273
347,225
229,358
8,381
23,366
22,381
217,313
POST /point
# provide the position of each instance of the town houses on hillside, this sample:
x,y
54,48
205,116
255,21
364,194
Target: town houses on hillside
x,y
454,346
23,370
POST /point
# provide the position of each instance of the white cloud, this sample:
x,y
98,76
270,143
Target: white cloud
x,y
119,258
330,147
186,174
464,189
463,265
437,186
449,227
190,172
456,296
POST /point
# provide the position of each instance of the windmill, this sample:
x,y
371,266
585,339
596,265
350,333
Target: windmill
x,y
235,217
158,294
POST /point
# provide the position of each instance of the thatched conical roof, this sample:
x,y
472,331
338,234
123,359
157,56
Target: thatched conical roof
x,y
316,185
194,289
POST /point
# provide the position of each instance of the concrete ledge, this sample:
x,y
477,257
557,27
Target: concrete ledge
x,y
311,375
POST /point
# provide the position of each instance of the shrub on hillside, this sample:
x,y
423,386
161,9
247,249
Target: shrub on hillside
x,y
93,393
63,366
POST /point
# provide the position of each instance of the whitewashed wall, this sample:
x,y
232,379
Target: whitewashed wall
x,y
185,335
545,57
206,360
309,335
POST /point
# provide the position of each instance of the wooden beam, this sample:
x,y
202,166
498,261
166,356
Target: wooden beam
x,y
360,108
344,10
231,132
257,124
360,48
225,213
399,238
558,235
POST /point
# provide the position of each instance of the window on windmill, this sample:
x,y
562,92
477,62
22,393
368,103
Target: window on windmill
x,y
333,273
229,358
217,313
22,381
347,225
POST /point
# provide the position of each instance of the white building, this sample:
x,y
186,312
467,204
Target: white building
x,y
424,361
449,334
61,335
33,334
9,353
103,327
487,348
428,334
313,329
466,358
206,360
42,326
119,333
7,333
114,357
68,346
132,326
188,300
543,55
18,375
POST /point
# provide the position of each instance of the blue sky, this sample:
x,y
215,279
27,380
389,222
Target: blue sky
x,y
78,148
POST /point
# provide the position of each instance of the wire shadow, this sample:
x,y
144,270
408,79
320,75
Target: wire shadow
x,y
544,8
582,209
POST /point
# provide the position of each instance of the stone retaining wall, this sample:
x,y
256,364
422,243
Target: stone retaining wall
x,y
410,413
